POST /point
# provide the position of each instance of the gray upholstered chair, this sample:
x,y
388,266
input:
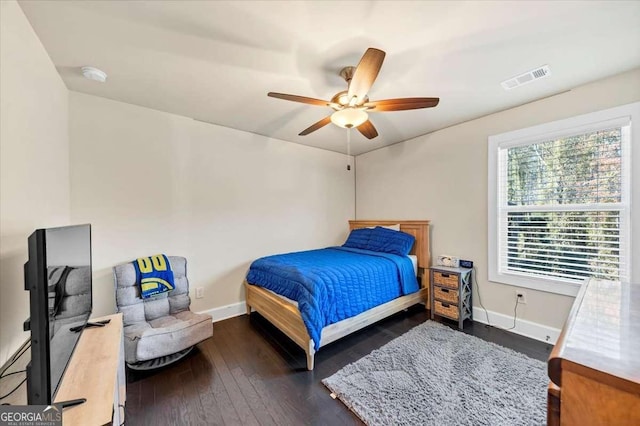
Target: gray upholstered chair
x,y
161,329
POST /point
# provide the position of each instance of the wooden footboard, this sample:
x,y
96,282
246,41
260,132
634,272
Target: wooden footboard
x,y
286,316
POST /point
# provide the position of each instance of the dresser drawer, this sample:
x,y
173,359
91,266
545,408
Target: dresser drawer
x,y
446,309
446,295
445,280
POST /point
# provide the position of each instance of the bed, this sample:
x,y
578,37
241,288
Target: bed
x,y
285,314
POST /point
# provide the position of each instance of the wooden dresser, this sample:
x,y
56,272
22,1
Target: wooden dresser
x,y
595,366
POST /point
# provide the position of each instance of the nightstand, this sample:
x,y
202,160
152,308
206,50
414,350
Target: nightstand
x,y
451,293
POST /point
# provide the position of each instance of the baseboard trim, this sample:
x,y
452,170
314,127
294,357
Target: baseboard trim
x,y
225,312
525,328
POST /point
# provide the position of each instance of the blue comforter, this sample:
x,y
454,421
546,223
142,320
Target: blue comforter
x,y
334,283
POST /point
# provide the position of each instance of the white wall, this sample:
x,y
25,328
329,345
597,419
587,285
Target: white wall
x,y
442,176
34,161
151,182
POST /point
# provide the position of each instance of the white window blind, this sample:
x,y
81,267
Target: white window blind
x,y
563,205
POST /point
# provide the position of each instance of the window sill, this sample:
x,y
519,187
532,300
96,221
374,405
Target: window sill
x,y
547,285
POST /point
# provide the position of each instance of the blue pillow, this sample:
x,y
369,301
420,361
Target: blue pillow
x,y
389,241
359,238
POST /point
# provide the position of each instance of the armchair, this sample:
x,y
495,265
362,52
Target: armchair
x,y
159,330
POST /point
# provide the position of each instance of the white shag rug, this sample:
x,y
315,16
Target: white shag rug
x,y
433,375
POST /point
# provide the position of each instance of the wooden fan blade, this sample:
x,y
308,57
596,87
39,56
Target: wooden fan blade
x,y
365,74
301,99
315,126
402,104
368,130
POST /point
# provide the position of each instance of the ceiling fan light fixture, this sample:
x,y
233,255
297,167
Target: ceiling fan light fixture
x,y
349,117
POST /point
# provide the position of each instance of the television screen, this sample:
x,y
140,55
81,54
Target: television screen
x,y
58,275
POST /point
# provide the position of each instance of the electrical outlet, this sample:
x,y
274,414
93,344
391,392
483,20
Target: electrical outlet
x,y
522,297
199,292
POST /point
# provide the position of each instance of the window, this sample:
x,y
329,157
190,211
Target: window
x,y
559,208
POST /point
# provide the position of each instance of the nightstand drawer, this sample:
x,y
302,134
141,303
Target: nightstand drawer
x,y
445,294
445,280
447,310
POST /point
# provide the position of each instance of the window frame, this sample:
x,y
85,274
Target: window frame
x,y
619,116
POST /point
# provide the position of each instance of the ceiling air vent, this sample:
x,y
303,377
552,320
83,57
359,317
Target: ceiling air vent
x,y
527,77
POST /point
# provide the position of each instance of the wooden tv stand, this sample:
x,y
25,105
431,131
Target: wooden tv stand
x,y
594,367
96,373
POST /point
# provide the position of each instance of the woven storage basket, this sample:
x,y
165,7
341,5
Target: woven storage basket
x,y
446,295
449,311
445,280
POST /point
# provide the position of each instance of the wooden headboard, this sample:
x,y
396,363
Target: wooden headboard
x,y
417,228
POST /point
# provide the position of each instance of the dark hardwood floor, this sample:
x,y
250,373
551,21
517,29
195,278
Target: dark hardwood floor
x,y
249,373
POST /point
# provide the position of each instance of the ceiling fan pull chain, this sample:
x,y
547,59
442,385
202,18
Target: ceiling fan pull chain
x,y
349,148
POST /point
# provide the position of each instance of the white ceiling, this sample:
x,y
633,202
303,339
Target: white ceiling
x,y
215,61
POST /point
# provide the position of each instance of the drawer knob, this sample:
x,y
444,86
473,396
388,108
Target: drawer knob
x,y
445,275
444,290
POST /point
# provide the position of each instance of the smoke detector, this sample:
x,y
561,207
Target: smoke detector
x,y
526,78
95,74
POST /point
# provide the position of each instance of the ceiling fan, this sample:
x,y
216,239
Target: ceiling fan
x,y
351,106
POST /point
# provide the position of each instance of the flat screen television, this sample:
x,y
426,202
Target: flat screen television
x,y
58,278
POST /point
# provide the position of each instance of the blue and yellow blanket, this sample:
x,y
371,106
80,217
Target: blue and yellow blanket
x,y
154,275
334,283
